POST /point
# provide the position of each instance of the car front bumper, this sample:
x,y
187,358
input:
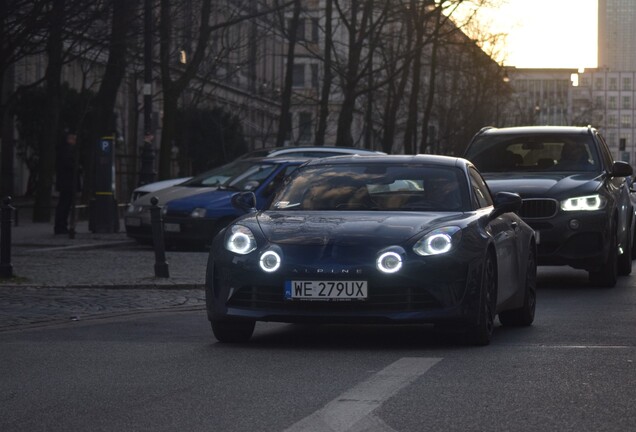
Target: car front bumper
x,y
446,293
578,239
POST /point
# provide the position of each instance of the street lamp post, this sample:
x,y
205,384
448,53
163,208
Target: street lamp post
x,y
147,171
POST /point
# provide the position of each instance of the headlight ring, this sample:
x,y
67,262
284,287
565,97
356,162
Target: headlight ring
x,y
240,240
438,241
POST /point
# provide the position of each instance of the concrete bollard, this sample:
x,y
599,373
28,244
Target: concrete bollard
x,y
6,218
161,266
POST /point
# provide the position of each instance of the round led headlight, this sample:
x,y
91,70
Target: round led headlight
x,y
389,262
438,241
270,261
240,240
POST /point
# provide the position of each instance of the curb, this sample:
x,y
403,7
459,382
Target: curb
x,y
114,286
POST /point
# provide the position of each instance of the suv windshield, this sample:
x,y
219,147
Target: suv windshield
x,y
532,153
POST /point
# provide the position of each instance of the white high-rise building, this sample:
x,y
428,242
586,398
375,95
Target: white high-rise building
x,y
617,35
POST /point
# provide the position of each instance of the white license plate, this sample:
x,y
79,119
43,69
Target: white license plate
x,y
172,227
133,221
326,290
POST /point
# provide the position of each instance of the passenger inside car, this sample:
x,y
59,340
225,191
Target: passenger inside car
x,y
574,157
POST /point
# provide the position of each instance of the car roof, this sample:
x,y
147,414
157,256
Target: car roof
x,y
536,130
391,159
274,151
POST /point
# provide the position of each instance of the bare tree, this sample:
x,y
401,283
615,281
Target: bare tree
x,y
22,22
291,34
362,21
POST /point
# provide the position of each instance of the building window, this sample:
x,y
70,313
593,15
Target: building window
x,y
598,102
626,102
611,102
299,76
627,83
304,126
315,30
613,83
599,84
315,79
626,120
611,120
300,30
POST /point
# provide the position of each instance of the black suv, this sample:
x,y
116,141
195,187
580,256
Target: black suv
x,y
574,194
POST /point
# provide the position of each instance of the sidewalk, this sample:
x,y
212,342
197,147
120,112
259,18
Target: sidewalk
x,y
109,260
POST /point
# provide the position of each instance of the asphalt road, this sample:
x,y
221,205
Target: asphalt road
x,y
162,370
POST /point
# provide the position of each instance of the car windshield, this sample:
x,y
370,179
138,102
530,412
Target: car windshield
x,y
239,175
533,153
380,187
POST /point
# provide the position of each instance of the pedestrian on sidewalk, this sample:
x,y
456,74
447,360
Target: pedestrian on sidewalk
x,y
66,180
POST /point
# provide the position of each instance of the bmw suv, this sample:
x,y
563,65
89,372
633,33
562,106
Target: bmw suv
x,y
575,195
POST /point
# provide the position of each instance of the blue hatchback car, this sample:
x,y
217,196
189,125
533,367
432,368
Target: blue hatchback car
x,y
195,220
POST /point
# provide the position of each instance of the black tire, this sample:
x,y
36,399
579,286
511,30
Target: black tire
x,y
524,316
233,331
625,260
480,334
607,276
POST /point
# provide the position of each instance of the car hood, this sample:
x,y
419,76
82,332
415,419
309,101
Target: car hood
x,y
534,185
347,228
172,193
210,199
153,187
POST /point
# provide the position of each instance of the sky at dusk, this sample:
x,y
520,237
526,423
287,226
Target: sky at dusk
x,y
546,33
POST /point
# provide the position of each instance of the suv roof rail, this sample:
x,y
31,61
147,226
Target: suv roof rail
x,y
484,129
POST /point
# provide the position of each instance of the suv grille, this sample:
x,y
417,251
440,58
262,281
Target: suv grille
x,y
534,208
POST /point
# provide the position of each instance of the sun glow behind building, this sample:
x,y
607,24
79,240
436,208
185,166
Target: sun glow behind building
x,y
544,33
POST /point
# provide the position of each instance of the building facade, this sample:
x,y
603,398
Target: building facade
x,y
617,35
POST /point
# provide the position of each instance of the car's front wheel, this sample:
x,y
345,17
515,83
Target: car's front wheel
x,y
481,332
607,275
524,316
232,331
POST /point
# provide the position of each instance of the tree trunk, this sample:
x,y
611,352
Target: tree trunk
x,y
284,124
428,107
323,112
102,117
54,48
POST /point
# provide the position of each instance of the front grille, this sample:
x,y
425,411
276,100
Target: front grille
x,y
535,208
389,299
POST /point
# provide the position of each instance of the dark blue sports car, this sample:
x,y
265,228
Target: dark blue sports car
x,y
375,239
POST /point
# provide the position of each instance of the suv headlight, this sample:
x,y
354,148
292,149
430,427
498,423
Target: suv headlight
x,y
439,241
240,240
584,203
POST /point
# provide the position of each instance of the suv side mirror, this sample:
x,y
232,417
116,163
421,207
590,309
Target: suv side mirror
x,y
621,169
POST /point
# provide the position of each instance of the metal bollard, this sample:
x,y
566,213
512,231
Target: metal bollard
x,y
161,266
6,216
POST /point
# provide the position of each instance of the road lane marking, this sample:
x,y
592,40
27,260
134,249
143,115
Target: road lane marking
x,y
353,409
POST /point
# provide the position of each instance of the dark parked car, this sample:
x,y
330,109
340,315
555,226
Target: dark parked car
x,y
375,239
575,195
195,219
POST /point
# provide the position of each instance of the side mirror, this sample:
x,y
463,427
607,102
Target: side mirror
x,y
506,202
245,201
621,169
